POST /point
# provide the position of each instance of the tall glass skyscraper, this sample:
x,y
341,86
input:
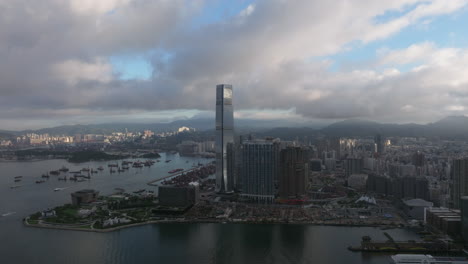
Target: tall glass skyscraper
x,y
224,136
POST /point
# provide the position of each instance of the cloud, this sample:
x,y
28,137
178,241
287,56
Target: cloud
x,y
57,60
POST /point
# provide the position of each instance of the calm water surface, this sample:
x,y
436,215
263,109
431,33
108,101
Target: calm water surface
x,y
161,243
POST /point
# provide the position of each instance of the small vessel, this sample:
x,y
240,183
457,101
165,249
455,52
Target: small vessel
x,y
60,189
15,186
75,172
54,172
139,191
168,160
9,213
112,171
85,169
64,169
174,171
112,165
18,177
94,171
40,181
45,176
64,178
17,180
100,168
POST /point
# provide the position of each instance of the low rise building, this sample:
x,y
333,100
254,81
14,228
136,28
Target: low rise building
x,y
84,196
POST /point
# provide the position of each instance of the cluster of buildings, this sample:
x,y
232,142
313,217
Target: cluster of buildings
x,y
258,169
33,139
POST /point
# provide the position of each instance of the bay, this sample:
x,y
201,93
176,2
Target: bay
x,y
159,243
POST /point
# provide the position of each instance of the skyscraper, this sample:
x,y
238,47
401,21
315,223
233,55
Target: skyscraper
x,y
294,172
259,168
224,136
459,186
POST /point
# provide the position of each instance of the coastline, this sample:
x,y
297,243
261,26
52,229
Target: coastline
x,y
206,221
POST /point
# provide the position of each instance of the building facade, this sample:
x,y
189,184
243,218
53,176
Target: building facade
x,y
224,136
259,169
293,172
459,186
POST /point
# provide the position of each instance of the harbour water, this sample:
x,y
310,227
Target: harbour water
x,y
159,243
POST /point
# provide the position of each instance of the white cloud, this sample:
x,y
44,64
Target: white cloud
x,y
73,71
57,58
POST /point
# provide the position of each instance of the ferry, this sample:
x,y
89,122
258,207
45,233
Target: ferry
x,y
427,259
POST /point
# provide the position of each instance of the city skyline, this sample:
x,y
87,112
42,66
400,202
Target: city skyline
x,y
84,65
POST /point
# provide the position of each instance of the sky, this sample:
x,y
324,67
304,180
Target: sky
x,y
85,61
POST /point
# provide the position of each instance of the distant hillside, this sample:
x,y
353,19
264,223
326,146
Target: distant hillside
x,y
450,127
6,134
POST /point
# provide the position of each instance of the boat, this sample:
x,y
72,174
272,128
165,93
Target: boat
x,y
112,165
85,169
60,189
17,180
174,171
45,176
15,186
120,170
93,171
18,177
112,171
427,259
40,181
54,172
64,169
7,214
139,191
100,168
64,178
75,172
168,160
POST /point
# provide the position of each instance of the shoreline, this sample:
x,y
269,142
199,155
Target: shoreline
x,y
199,221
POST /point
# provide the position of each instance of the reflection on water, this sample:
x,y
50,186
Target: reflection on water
x,y
163,243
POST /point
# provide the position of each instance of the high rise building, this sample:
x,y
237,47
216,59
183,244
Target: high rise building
x,y
459,185
353,166
464,216
224,136
259,169
293,172
379,143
